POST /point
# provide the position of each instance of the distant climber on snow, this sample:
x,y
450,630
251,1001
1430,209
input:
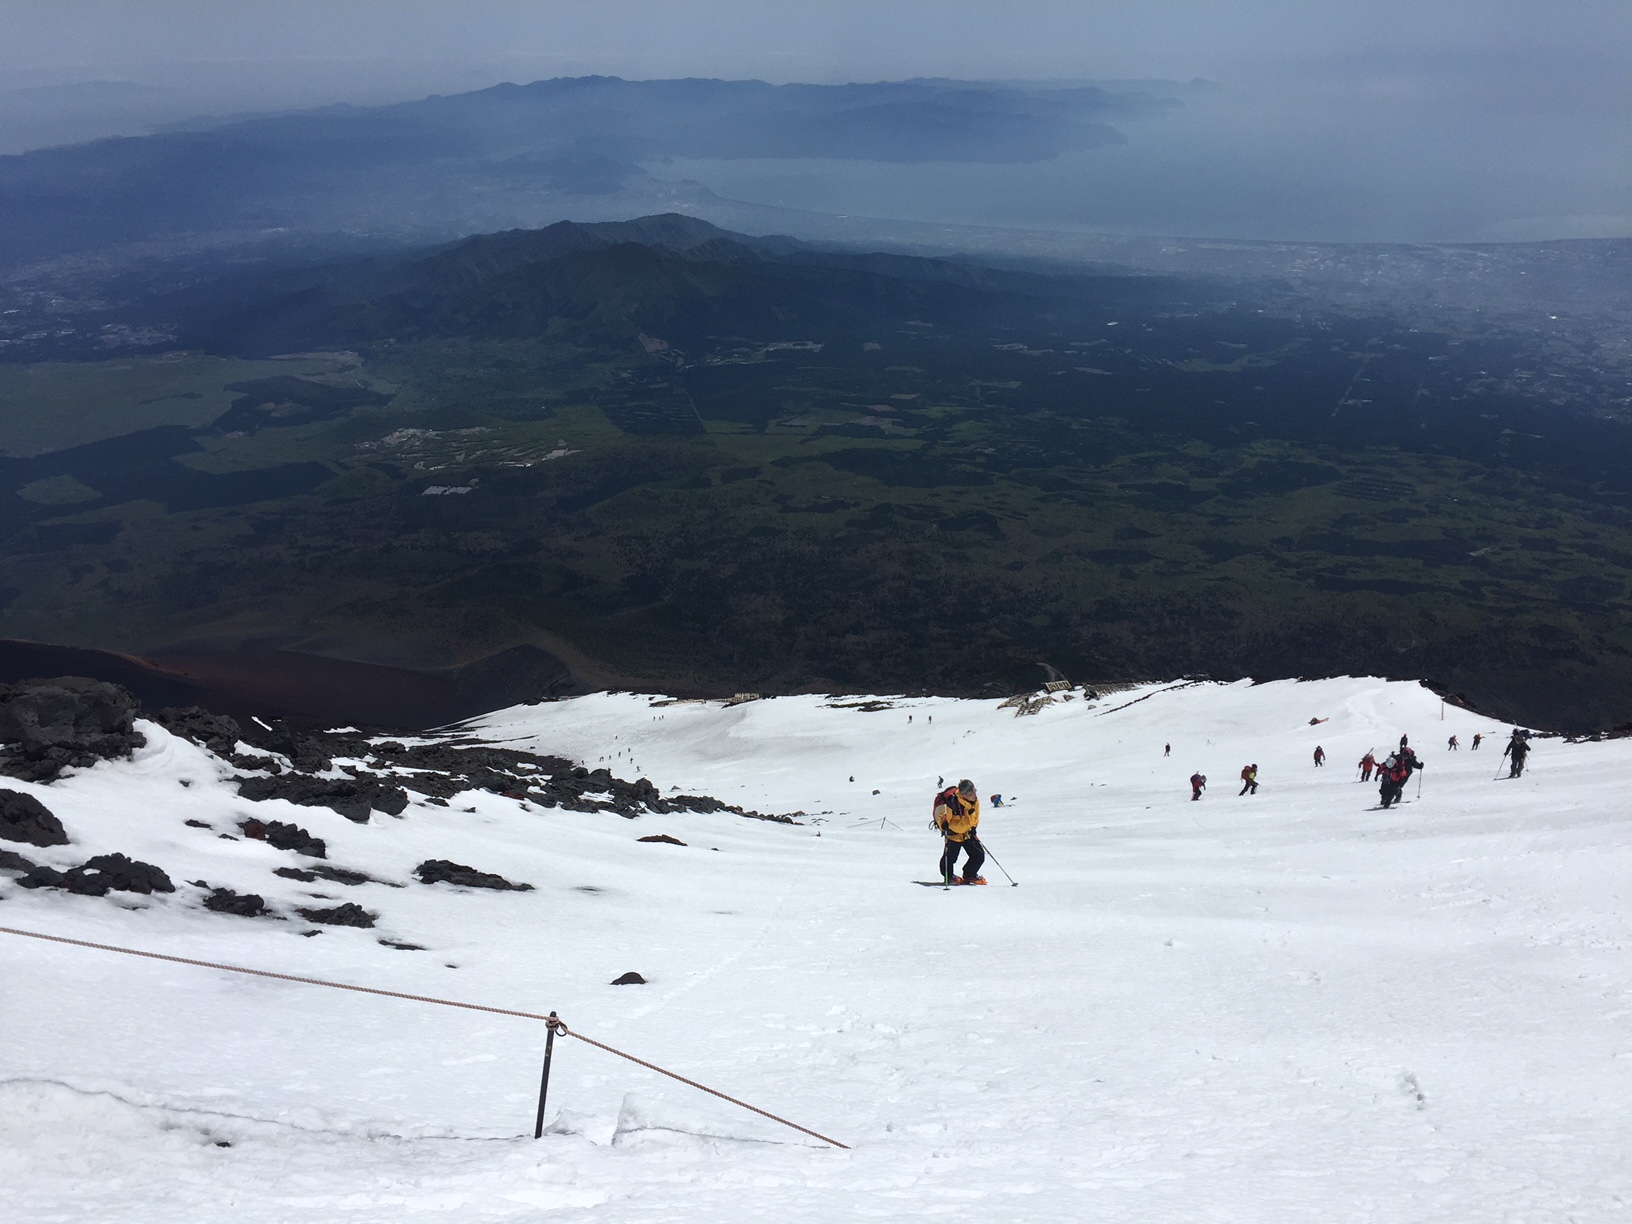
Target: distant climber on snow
x,y
957,816
1249,779
1367,764
1198,783
1452,744
1518,748
1167,750
1320,756
1478,737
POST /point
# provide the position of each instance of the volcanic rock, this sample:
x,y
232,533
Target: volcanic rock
x,y
245,905
98,876
629,979
349,914
285,837
24,818
441,871
69,722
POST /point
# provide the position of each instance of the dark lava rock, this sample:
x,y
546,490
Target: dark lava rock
x,y
285,837
216,732
353,798
245,905
10,860
629,979
98,876
338,875
349,915
662,837
24,818
400,946
70,722
196,824
441,871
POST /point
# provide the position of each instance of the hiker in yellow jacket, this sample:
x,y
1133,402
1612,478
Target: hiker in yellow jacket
x,y
957,816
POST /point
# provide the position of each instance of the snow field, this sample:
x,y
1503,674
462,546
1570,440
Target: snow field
x,y
1286,1006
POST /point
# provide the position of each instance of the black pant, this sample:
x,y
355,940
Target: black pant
x,y
1249,784
1390,792
971,865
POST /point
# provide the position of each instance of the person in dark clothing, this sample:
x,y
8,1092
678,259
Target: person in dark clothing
x,y
1167,750
1452,744
1518,748
1249,779
957,816
1320,756
1395,773
1478,738
1198,783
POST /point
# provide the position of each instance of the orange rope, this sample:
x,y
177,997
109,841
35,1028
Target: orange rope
x,y
554,1023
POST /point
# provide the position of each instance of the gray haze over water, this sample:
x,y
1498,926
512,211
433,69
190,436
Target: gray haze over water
x,y
1379,121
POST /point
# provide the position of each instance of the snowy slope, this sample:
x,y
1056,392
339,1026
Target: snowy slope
x,y
1288,1006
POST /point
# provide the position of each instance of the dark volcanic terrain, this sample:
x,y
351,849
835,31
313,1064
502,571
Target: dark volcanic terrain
x,y
661,454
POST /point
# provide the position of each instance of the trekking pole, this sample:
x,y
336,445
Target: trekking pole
x,y
1013,883
1419,784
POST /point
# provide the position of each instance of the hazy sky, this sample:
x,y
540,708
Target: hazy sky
x,y
1433,119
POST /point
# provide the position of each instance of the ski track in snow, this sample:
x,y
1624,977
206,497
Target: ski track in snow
x,y
1283,1007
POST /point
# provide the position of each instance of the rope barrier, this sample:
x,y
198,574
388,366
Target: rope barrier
x,y
555,1024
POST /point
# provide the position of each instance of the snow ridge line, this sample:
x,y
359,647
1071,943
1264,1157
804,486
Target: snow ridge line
x,y
551,1020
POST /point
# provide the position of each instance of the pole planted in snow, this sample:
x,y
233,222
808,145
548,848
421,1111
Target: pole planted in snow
x,y
544,1080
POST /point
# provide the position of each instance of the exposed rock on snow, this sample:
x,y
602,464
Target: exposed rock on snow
x,y
352,798
245,905
10,860
47,726
442,871
24,818
349,915
285,837
98,876
338,875
664,838
629,979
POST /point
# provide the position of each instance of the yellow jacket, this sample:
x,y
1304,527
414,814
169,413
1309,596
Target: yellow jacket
x,y
958,817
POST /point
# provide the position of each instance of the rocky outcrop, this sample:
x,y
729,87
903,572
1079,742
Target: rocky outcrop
x,y
10,860
285,837
47,726
336,875
353,798
349,914
442,871
216,732
245,905
98,876
24,818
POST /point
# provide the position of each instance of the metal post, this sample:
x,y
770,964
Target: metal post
x,y
544,1081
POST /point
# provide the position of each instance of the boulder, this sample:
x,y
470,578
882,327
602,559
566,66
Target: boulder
x,y
349,914
245,905
24,818
442,871
662,838
284,836
216,732
353,798
338,875
98,876
47,726
629,979
10,860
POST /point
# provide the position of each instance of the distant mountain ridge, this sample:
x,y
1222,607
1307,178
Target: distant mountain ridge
x,y
608,280
509,155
